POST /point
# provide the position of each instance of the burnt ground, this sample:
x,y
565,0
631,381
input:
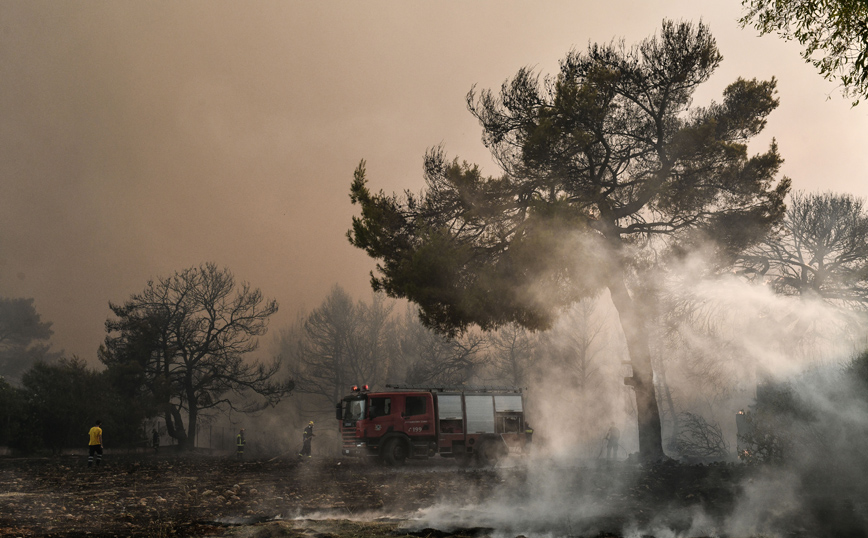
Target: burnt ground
x,y
326,497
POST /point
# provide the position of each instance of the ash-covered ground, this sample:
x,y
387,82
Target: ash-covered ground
x,y
208,496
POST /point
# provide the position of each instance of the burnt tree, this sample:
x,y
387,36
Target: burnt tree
x,y
181,344
819,250
339,344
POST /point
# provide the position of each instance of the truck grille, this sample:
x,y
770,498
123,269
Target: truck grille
x,y
348,437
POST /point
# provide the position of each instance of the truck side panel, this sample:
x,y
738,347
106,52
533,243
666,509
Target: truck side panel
x,y
507,403
450,423
480,413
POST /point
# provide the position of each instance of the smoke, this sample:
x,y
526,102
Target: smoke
x,y
577,391
552,499
779,336
715,340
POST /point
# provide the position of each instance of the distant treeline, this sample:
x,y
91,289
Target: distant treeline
x,y
58,402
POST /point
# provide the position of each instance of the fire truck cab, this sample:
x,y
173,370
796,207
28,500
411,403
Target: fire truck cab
x,y
477,424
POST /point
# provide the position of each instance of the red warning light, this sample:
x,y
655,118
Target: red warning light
x,y
355,388
365,387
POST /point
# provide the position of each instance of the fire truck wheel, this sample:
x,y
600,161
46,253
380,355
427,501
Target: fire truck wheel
x,y
394,452
489,454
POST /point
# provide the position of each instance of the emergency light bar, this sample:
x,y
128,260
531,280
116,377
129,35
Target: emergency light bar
x,y
457,388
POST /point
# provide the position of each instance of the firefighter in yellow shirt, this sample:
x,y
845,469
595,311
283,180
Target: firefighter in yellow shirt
x,y
95,445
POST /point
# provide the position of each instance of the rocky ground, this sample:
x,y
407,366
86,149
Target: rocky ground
x,y
326,497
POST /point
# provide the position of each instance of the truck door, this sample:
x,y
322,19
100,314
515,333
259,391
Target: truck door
x,y
418,415
383,417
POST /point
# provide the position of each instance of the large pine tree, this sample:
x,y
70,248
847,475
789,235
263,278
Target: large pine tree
x,y
597,162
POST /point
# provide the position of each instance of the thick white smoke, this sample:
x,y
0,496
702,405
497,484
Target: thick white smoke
x,y
716,340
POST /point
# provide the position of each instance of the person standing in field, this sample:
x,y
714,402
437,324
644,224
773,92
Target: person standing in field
x,y
239,444
306,437
613,436
95,445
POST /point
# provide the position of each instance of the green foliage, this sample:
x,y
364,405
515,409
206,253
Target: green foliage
x,y
452,281
834,34
598,159
11,408
62,400
456,257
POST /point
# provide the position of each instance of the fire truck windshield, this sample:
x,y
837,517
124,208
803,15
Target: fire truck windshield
x,y
354,410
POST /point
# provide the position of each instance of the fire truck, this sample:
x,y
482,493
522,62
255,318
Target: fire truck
x,y
471,424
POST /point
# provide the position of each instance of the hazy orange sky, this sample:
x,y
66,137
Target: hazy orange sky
x,y
141,138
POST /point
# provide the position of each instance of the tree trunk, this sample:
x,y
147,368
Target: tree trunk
x,y
175,426
667,397
650,433
192,424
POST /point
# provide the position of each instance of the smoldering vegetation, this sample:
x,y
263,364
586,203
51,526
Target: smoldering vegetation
x,y
722,345
762,396
683,264
796,469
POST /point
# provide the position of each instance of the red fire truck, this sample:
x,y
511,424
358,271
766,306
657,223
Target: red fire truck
x,y
470,424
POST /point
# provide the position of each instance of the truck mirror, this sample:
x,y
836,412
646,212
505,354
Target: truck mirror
x,y
338,414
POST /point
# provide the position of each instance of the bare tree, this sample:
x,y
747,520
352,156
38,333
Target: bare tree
x,y
575,351
185,338
820,250
435,358
699,438
709,359
375,343
512,354
339,344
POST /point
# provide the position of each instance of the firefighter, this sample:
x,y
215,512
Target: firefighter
x,y
306,436
528,436
95,445
239,444
612,438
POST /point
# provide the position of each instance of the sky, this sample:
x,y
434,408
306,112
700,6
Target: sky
x,y
138,139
